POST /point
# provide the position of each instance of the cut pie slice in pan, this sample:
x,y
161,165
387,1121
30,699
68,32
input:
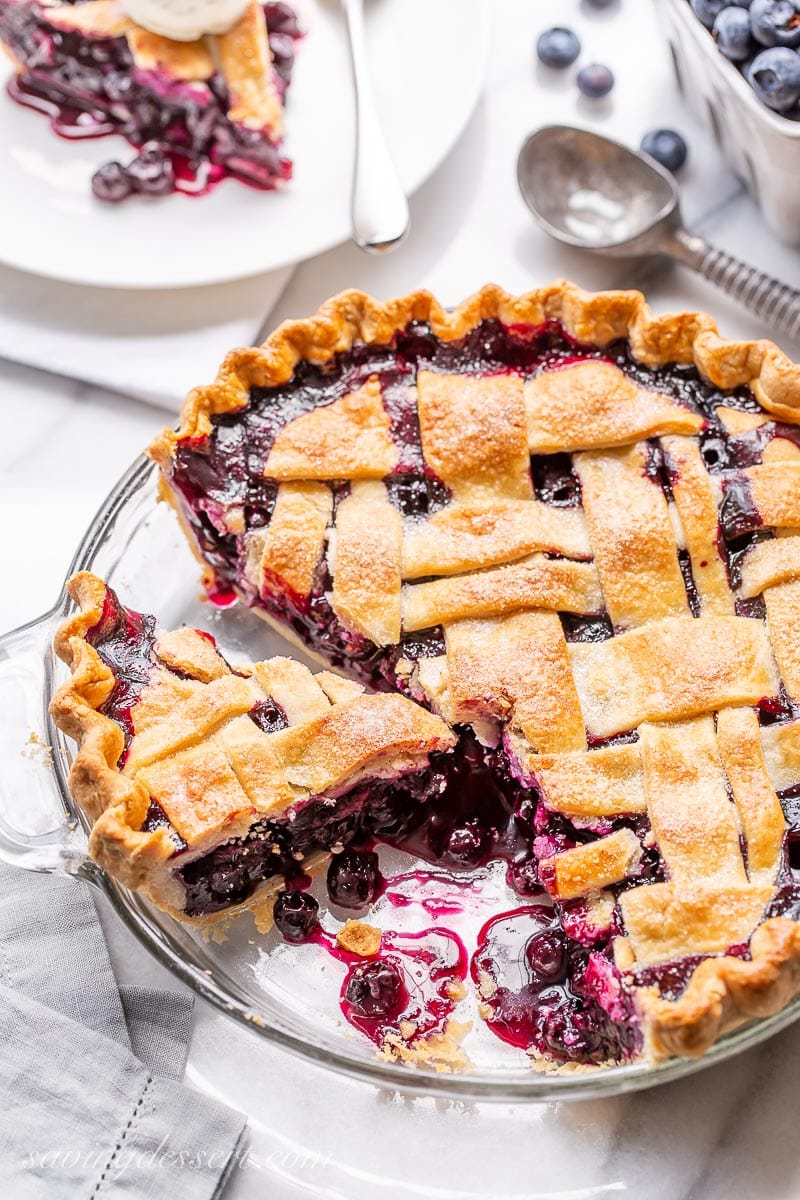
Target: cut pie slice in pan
x,y
209,786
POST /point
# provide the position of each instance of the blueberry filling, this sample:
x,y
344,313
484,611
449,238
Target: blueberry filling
x,y
125,641
89,86
441,813
409,990
268,716
376,990
533,981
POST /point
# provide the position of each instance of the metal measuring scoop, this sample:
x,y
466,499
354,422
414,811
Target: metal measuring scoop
x,y
591,192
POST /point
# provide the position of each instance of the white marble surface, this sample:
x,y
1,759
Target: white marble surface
x,y
726,1133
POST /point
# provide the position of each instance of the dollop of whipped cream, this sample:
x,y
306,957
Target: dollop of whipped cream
x,y
185,20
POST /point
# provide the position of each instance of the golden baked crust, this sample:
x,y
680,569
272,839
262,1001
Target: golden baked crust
x,y
194,750
245,61
494,567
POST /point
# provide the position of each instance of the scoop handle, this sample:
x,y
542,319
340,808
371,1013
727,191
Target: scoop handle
x,y
774,302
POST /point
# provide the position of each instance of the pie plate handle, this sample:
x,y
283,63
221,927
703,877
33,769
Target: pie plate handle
x,y
37,830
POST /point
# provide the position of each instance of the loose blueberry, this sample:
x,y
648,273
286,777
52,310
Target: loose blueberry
x,y
558,48
546,953
667,147
151,172
775,23
775,77
353,878
595,81
732,34
296,915
111,183
707,11
375,990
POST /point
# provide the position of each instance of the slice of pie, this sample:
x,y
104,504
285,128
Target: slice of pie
x,y
209,786
196,111
571,529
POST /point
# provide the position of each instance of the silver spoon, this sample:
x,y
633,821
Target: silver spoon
x,y
591,192
380,209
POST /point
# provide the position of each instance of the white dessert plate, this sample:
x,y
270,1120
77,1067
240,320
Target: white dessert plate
x,y
428,59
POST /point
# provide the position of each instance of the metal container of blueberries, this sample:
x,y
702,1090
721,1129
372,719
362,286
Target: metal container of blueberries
x,y
762,147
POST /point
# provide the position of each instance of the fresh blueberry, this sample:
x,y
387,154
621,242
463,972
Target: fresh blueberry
x,y
296,915
667,147
375,990
775,23
707,11
558,48
595,81
111,183
353,878
774,76
732,33
151,172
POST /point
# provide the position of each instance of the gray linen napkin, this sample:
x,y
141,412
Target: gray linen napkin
x,y
91,1104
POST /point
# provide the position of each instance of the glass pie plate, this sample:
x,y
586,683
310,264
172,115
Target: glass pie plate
x,y
285,994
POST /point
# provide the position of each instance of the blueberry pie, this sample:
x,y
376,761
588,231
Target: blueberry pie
x,y
571,530
200,105
208,785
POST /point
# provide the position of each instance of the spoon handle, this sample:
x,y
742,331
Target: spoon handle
x,y
380,209
773,301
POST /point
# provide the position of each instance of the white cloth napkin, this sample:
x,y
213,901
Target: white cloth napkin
x,y
90,1074
154,345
